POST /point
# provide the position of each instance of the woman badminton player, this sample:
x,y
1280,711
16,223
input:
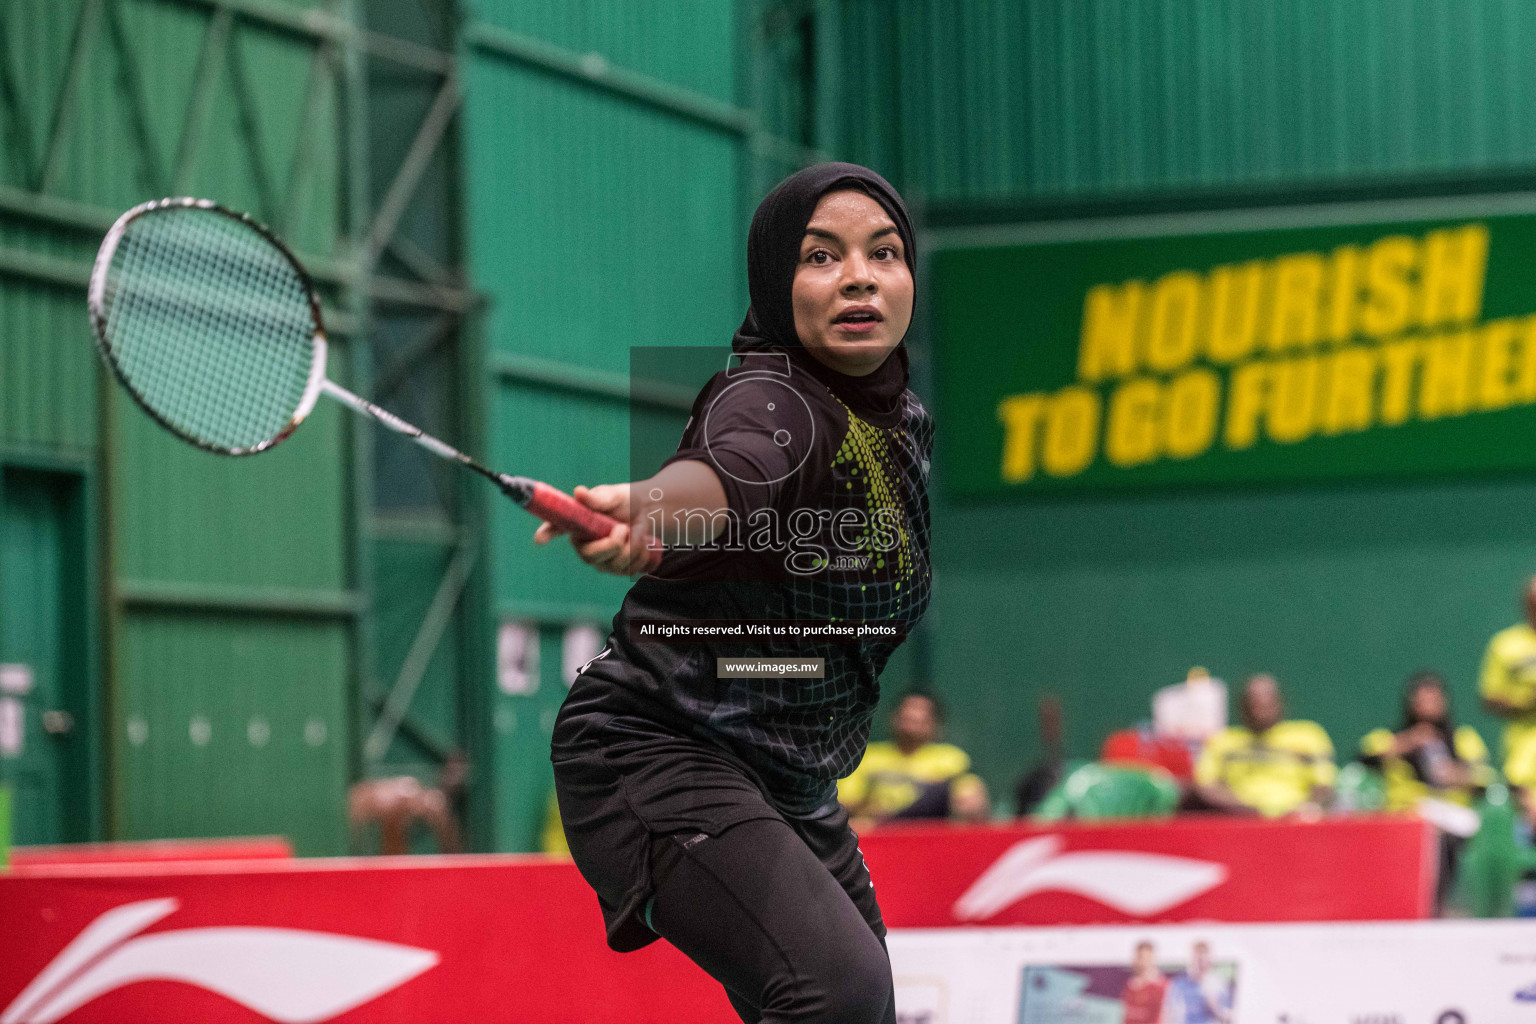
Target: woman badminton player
x,y
701,804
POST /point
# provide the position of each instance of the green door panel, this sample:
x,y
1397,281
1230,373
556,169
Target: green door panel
x,y
42,734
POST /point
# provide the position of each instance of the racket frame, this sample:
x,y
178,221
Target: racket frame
x,y
96,303
544,501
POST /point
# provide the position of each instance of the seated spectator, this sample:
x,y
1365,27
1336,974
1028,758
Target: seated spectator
x,y
1429,756
1142,748
399,802
913,775
1507,684
1098,792
1048,771
1192,711
1267,766
1431,759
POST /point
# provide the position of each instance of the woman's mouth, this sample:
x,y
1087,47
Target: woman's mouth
x,y
858,320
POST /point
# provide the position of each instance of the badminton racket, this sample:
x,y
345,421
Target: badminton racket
x,y
213,326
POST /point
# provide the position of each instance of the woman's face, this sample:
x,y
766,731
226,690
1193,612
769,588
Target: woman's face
x,y
853,290
1428,703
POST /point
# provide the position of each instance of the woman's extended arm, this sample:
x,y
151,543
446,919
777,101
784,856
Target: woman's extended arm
x,y
685,500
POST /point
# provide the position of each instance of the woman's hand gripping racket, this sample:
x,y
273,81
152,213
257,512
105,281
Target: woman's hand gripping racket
x,y
214,328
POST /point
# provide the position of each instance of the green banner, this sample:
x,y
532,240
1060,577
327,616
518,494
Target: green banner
x,y
1310,353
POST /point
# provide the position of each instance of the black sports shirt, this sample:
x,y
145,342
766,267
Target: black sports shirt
x,y
828,524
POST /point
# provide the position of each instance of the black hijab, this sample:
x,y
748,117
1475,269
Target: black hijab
x,y
773,253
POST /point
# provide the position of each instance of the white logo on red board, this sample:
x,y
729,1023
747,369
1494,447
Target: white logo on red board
x,y
285,974
1136,884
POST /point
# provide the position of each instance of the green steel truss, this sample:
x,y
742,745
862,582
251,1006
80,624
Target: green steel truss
x,y
382,274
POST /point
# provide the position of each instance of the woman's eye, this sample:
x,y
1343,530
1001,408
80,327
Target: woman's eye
x,y
818,257
886,252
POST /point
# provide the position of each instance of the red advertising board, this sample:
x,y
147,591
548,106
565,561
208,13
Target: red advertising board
x,y
1186,869
413,940
25,858
516,939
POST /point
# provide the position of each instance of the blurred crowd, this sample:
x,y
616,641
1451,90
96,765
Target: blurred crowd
x,y
1188,757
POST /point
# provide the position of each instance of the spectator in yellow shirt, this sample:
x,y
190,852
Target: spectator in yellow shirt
x,y
1508,687
1430,759
1430,756
1267,766
913,775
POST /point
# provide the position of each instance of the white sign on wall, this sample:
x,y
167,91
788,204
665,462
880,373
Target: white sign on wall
x,y
517,658
15,678
581,643
13,733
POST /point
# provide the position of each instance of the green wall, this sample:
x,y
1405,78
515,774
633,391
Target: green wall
x,y
470,184
990,112
218,632
613,152
590,174
1339,592
997,102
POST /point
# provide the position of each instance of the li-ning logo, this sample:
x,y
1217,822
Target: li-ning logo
x,y
1138,884
284,974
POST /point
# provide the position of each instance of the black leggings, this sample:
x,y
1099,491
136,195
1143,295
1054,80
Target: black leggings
x,y
784,918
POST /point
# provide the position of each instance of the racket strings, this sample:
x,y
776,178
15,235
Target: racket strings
x,y
209,325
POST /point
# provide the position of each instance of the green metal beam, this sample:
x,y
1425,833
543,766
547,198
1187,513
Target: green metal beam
x,y
55,211
318,24
19,124
47,457
134,99
213,598
250,127
210,64
594,70
387,217
357,191
395,291
324,68
64,104
414,668
592,383
83,217
413,529
40,267
70,273
424,736
431,339
420,262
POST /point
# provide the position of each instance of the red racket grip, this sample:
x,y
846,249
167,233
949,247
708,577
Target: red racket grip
x,y
556,507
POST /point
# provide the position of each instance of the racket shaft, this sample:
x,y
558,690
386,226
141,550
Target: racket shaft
x,y
546,502
394,423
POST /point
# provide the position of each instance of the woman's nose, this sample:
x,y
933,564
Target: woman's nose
x,y
856,275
